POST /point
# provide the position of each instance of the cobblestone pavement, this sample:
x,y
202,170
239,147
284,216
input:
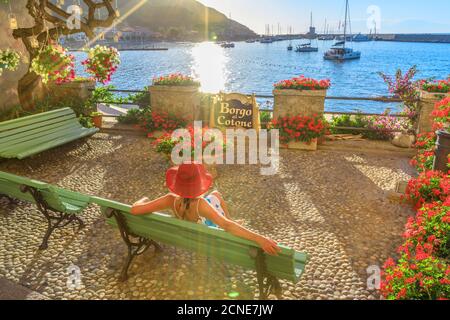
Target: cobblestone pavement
x,y
332,205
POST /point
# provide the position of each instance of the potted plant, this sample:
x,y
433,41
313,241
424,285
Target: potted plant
x,y
300,95
431,93
177,94
167,143
102,62
54,65
97,119
300,132
441,118
157,124
9,60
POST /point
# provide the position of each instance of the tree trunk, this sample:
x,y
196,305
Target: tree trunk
x,y
30,90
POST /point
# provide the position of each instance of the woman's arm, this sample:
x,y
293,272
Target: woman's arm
x,y
232,227
146,206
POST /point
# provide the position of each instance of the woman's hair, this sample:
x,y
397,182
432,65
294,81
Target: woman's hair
x,y
187,205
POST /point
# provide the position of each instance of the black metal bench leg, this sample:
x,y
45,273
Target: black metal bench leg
x,y
267,283
136,245
54,218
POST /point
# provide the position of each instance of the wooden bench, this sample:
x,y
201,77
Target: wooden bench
x,y
59,207
23,137
141,232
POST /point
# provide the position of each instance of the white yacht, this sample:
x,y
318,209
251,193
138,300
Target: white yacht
x,y
340,51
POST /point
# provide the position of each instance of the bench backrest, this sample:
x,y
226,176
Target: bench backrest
x,y
27,129
56,198
208,241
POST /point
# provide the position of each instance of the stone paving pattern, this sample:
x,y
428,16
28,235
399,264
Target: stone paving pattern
x,y
332,205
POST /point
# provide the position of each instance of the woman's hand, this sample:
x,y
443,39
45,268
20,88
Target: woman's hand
x,y
269,246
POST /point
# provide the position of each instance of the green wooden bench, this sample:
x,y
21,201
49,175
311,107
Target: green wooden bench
x,y
59,207
23,137
141,232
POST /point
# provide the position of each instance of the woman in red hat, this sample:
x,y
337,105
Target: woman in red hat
x,y
188,184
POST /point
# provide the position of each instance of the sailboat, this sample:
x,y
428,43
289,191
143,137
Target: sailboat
x,y
340,51
290,46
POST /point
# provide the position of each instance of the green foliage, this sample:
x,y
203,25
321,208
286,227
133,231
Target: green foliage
x,y
133,116
346,120
265,117
9,60
86,121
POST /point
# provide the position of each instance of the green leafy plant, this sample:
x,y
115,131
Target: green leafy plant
x,y
86,121
133,116
9,60
346,120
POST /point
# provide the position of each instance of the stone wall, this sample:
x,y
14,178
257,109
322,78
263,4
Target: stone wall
x,y
426,105
298,102
9,79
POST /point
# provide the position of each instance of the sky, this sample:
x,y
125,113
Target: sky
x,y
391,16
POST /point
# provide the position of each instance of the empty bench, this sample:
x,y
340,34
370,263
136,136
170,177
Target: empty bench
x,y
58,206
141,232
23,137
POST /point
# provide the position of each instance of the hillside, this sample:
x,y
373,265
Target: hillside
x,y
183,20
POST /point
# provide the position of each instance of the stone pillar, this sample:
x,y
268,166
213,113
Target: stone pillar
x,y
426,105
298,102
75,93
183,102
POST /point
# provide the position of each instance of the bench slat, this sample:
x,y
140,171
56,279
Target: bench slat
x,y
58,142
25,149
37,127
31,135
29,120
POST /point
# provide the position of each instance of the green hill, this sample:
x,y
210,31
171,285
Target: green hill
x,y
183,20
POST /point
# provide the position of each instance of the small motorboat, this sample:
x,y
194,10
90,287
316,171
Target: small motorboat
x,y
228,45
306,47
290,47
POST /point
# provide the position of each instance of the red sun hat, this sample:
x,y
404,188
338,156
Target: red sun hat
x,y
188,180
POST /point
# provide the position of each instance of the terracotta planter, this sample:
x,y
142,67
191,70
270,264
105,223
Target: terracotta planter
x,y
98,121
442,151
298,102
184,102
426,105
299,145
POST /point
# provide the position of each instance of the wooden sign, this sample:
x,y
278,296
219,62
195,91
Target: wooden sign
x,y
235,110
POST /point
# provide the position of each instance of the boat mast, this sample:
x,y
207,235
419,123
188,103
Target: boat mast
x,y
345,23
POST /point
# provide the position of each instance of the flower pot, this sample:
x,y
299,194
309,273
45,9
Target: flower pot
x,y
98,121
298,102
182,101
300,145
427,102
442,151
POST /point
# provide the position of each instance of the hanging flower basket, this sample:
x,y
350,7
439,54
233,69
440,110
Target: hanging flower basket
x,y
9,60
102,62
53,64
